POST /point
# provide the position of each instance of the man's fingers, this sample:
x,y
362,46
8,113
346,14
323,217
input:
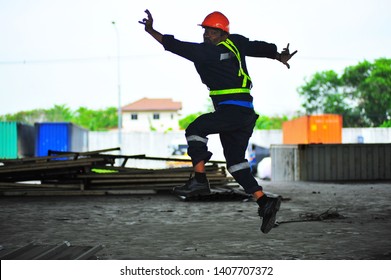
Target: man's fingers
x,y
287,56
148,13
148,19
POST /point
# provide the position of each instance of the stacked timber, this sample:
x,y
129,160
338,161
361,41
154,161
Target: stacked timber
x,y
96,172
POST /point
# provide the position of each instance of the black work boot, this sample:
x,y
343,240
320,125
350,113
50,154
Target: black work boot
x,y
192,188
268,207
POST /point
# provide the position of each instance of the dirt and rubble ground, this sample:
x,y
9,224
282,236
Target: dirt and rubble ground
x,y
317,221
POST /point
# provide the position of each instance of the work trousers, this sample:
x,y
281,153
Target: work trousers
x,y
235,125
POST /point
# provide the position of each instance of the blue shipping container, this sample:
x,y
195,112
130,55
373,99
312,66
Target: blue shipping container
x,y
62,136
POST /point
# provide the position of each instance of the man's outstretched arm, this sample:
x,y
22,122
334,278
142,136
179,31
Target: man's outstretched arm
x,y
148,23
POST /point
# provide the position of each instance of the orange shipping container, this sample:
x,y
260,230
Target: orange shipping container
x,y
313,130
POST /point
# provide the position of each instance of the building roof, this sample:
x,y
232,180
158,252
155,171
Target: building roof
x,y
153,104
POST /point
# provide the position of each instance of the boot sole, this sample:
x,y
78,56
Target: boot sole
x,y
269,221
191,194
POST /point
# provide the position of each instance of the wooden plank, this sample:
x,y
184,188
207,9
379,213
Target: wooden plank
x,y
18,185
85,153
51,165
72,155
54,193
141,176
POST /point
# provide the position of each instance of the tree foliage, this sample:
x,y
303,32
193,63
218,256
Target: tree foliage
x,y
59,113
90,119
265,122
184,122
362,94
96,120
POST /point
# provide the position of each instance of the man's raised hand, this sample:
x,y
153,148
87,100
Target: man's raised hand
x,y
285,56
148,22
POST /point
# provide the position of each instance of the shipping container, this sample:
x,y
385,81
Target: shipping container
x,y
317,129
16,140
331,162
60,136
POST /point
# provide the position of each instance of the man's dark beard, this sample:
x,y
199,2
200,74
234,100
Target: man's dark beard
x,y
207,41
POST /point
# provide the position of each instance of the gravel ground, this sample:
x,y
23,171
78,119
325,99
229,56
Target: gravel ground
x,y
317,221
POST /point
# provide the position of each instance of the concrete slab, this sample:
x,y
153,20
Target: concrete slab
x,y
164,227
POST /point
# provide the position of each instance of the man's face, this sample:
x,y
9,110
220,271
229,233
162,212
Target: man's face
x,y
213,36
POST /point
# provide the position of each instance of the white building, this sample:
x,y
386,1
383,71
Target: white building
x,y
151,114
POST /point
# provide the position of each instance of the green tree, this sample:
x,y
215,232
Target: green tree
x,y
184,122
96,120
59,113
90,119
265,122
386,124
369,84
30,117
320,92
362,94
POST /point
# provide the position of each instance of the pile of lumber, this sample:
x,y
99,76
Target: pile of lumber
x,y
96,172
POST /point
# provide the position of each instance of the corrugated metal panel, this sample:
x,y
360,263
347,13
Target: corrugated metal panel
x,y
345,162
79,139
313,129
8,140
331,162
26,140
51,136
295,131
16,140
63,136
325,129
284,162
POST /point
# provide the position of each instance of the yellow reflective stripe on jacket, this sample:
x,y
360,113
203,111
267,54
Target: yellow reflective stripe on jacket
x,y
229,91
230,46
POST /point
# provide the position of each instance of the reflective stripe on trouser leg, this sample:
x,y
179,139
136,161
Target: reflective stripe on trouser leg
x,y
197,149
239,166
197,138
242,174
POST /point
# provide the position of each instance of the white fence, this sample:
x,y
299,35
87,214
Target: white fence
x,y
366,135
266,138
159,144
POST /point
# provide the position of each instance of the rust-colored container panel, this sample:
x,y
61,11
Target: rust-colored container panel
x,y
317,129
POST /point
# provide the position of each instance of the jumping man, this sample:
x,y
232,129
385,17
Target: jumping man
x,y
220,62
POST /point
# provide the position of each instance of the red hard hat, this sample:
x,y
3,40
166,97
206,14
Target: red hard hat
x,y
216,20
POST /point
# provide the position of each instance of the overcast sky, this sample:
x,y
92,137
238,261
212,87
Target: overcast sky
x,y
65,51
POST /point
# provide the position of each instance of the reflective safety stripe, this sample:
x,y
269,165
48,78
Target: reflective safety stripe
x,y
231,46
238,167
229,91
196,138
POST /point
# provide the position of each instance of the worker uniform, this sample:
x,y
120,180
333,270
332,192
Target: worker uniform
x,y
223,70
